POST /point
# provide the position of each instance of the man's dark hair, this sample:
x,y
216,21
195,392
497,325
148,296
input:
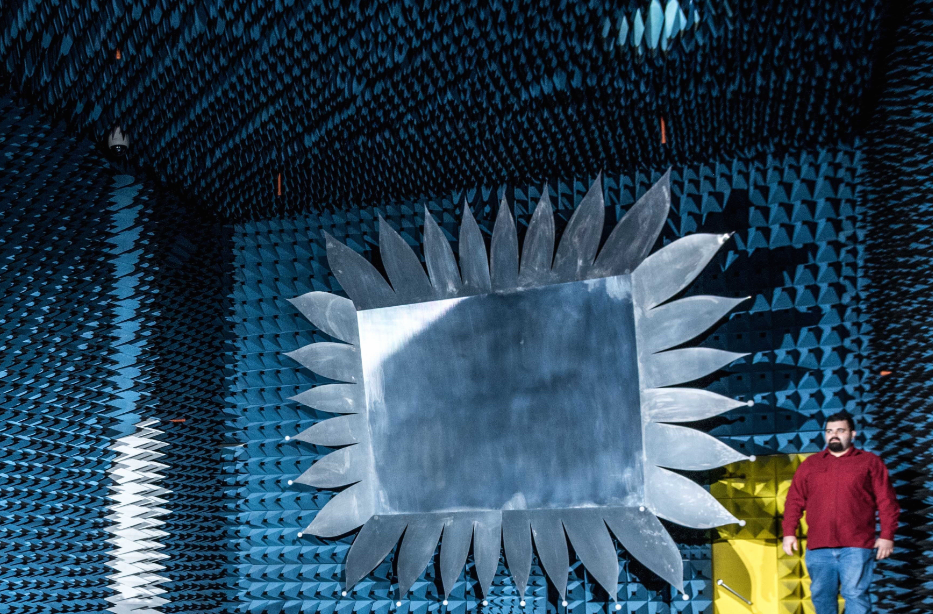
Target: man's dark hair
x,y
843,415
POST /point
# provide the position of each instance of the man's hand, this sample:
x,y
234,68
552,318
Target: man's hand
x,y
884,548
790,545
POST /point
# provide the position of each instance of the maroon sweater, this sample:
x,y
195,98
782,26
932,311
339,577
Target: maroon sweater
x,y
841,495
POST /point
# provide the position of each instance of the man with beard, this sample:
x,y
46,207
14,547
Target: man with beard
x,y
841,489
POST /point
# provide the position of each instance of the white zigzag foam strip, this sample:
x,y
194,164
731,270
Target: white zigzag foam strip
x,y
135,516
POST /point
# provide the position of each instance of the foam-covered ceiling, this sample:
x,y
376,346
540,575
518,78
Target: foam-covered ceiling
x,y
359,102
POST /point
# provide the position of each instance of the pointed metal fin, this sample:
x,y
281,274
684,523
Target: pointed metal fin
x,y
679,321
636,233
373,543
455,545
339,431
646,539
671,269
684,404
678,447
680,366
339,361
346,511
417,548
365,286
340,468
442,267
675,498
474,268
593,545
334,398
333,314
487,548
516,538
406,275
580,241
551,544
538,247
503,257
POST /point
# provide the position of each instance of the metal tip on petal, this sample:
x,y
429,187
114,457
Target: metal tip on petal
x,y
522,603
564,603
288,438
300,534
398,604
343,593
686,597
618,606
742,523
753,458
290,482
444,602
485,602
750,402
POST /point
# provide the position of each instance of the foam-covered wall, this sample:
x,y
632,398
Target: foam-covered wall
x,y
899,258
795,252
113,315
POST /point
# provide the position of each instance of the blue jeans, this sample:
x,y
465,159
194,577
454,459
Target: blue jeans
x,y
840,570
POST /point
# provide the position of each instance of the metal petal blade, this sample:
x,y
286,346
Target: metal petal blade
x,y
679,366
365,286
340,468
684,404
633,237
516,538
580,241
594,547
538,248
339,361
455,545
487,546
334,398
551,545
442,268
333,314
671,269
679,321
503,257
417,548
675,498
406,275
678,447
375,540
646,539
474,268
346,511
339,431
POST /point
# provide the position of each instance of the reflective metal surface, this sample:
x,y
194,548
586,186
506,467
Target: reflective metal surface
x,y
358,278
670,269
678,499
455,546
373,543
538,248
474,268
439,258
333,314
634,235
503,257
580,240
591,541
522,400
507,397
642,534
406,275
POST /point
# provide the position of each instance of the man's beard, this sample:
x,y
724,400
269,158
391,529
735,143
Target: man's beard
x,y
836,446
